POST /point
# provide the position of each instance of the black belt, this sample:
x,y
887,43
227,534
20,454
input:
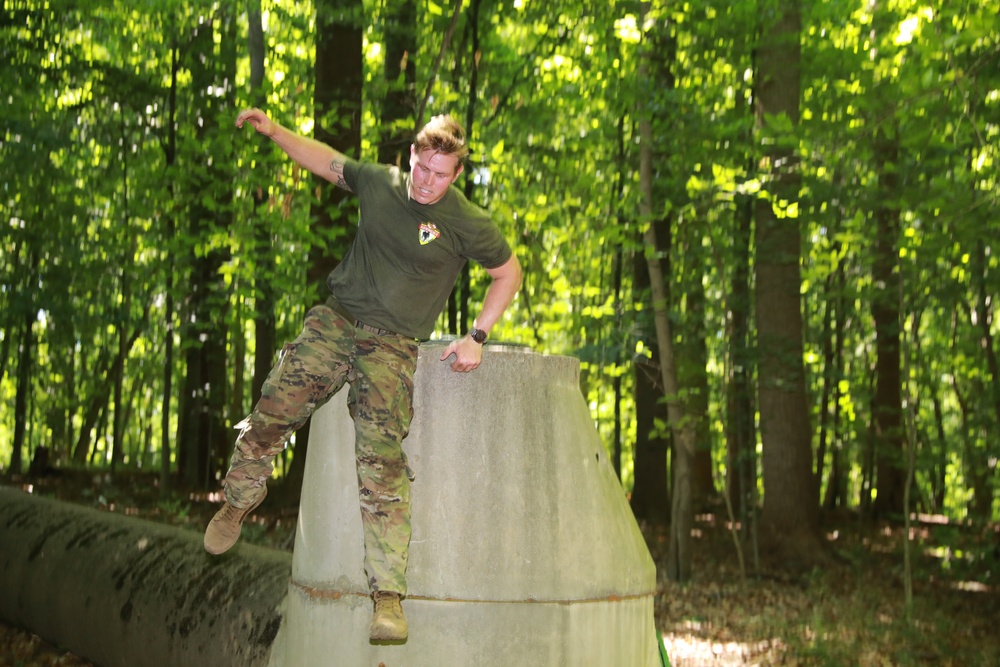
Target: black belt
x,y
340,310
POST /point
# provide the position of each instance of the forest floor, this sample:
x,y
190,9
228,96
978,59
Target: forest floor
x,y
849,611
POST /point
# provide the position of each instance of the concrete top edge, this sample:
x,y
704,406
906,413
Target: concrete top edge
x,y
498,347
514,357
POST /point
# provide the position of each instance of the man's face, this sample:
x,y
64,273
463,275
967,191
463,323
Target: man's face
x,y
430,174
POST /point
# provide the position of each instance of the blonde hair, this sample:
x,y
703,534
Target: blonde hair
x,y
444,135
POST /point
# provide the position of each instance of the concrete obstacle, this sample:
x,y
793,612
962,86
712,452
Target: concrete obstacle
x,y
524,550
123,592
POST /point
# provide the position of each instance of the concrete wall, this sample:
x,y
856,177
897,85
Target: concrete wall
x,y
524,550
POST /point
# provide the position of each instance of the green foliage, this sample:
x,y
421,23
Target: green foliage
x,y
121,172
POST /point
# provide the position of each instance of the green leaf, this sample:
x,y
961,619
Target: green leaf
x,y
497,151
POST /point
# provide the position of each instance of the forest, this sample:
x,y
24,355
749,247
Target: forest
x,y
764,228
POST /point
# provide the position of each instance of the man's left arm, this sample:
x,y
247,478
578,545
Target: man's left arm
x,y
506,281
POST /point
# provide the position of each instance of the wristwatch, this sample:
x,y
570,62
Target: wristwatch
x,y
478,335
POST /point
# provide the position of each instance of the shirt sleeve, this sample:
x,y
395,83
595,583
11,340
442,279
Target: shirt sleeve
x,y
353,174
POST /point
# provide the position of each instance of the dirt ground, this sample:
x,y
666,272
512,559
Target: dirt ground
x,y
849,611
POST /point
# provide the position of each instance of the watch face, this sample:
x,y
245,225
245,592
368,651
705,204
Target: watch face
x,y
478,335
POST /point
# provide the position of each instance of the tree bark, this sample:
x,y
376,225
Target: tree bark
x,y
170,233
337,101
204,436
126,271
693,376
982,501
741,455
790,510
888,407
650,491
265,335
650,488
681,514
399,105
25,359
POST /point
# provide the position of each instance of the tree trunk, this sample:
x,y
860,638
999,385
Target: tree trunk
x,y
126,271
836,489
265,335
693,376
789,515
337,107
25,359
337,101
982,502
650,489
108,367
681,513
650,492
888,406
741,454
939,480
106,586
170,233
463,321
204,436
399,105
617,277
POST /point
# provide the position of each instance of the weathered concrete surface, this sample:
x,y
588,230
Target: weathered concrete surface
x,y
120,591
524,552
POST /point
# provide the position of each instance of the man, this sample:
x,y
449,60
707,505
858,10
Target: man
x,y
415,233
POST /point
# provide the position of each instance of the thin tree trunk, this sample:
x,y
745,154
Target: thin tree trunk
x,y
741,438
108,367
694,377
682,514
125,280
464,321
168,324
983,500
836,485
25,359
651,489
741,456
265,335
617,276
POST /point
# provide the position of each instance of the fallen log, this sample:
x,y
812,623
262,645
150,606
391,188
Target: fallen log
x,y
123,591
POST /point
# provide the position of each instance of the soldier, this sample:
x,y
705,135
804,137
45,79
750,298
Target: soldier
x,y
415,234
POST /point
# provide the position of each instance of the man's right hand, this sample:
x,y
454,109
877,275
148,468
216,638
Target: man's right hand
x,y
260,121
307,152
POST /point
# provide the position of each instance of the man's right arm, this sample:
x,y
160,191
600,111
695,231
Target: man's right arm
x,y
317,157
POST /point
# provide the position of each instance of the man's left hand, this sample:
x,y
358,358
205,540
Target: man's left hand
x,y
468,354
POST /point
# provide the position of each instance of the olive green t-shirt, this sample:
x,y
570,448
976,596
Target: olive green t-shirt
x,y
405,258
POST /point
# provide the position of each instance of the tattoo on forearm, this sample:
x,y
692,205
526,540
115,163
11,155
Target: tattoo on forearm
x,y
337,167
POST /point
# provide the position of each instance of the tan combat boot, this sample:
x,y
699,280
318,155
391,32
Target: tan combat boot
x,y
225,527
388,622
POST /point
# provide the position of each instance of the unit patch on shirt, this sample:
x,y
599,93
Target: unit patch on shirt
x,y
428,232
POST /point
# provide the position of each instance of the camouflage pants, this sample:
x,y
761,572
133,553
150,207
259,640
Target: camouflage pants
x,y
329,352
